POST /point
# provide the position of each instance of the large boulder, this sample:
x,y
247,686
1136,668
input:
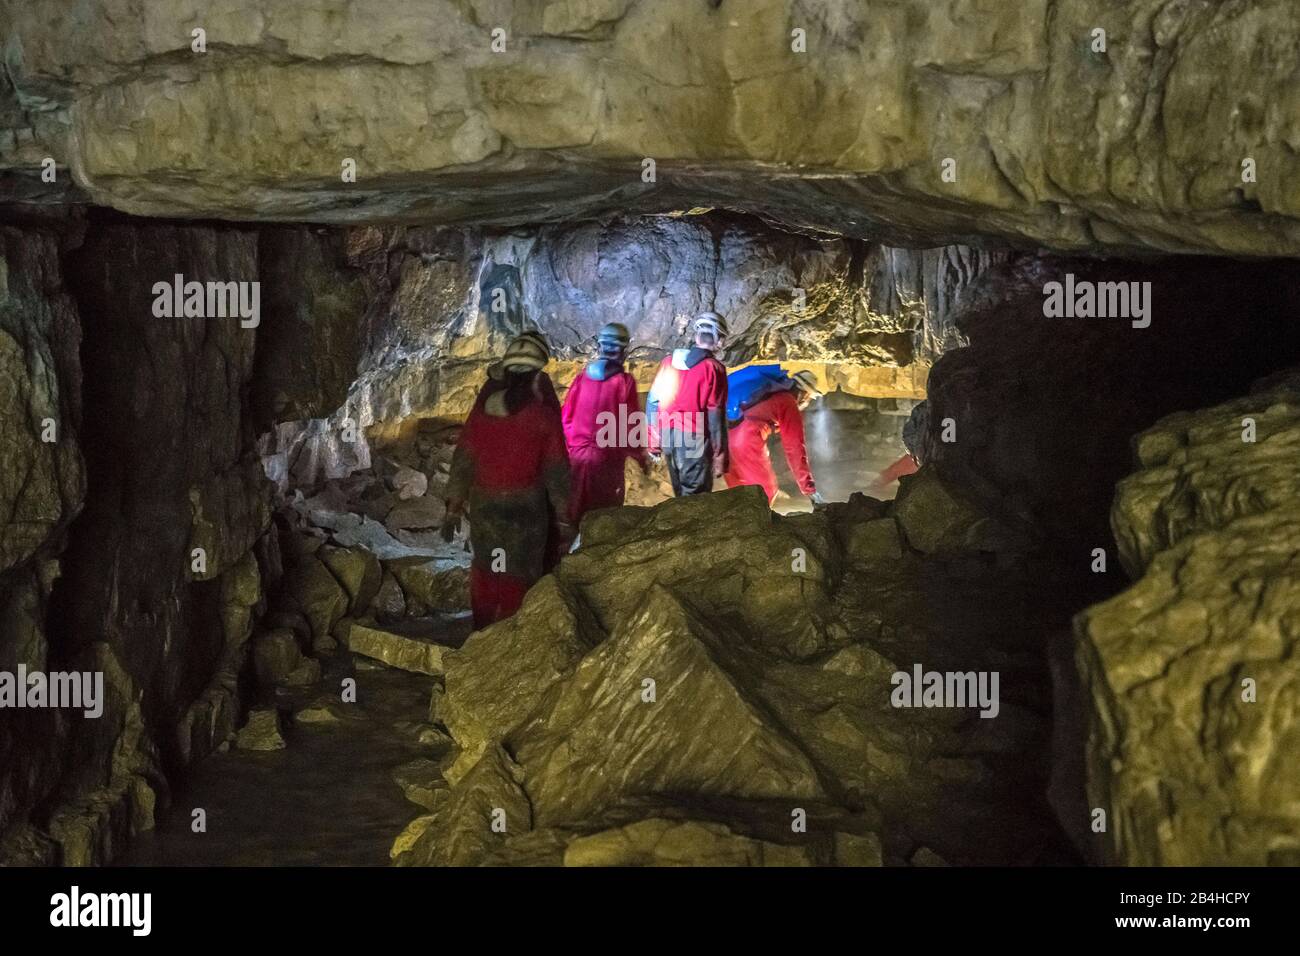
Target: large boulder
x,y
275,655
1202,470
358,571
935,517
486,809
410,650
659,679
317,594
816,738
1193,687
432,584
502,672
1192,674
724,553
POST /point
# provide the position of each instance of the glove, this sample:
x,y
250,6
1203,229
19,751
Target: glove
x,y
450,526
818,499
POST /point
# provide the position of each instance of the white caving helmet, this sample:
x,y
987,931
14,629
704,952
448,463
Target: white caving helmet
x,y
807,381
712,323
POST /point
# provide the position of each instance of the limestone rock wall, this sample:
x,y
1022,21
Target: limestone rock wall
x,y
1192,672
1055,142
42,489
440,304
785,295
158,410
41,477
310,345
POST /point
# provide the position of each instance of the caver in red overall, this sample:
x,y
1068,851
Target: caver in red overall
x,y
904,466
688,419
601,414
750,462
510,466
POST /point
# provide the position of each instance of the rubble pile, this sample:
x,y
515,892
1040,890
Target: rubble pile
x,y
706,682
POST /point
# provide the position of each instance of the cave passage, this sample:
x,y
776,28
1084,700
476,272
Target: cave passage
x,y
253,546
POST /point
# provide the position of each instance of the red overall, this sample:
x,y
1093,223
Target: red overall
x,y
513,471
904,466
690,390
750,463
603,428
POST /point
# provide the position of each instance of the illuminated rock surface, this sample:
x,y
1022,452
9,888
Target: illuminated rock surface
x,y
1053,142
403,651
220,508
746,696
1194,724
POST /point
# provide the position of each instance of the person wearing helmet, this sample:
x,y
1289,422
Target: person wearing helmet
x,y
545,386
778,408
688,410
511,471
597,409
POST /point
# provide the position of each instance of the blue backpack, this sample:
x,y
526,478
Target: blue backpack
x,y
748,386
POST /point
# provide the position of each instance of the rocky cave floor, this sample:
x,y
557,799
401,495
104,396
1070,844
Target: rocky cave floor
x,y
673,697
786,659
313,780
332,796
230,561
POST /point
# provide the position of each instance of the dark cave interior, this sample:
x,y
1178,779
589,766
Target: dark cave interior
x,y
325,565
1035,304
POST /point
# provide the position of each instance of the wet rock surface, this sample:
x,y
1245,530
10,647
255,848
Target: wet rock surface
x,y
1191,673
329,797
749,670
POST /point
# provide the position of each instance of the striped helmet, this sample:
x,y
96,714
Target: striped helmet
x,y
807,381
614,334
712,323
526,351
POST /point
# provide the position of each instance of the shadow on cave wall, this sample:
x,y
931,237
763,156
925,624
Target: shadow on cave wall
x,y
1045,408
